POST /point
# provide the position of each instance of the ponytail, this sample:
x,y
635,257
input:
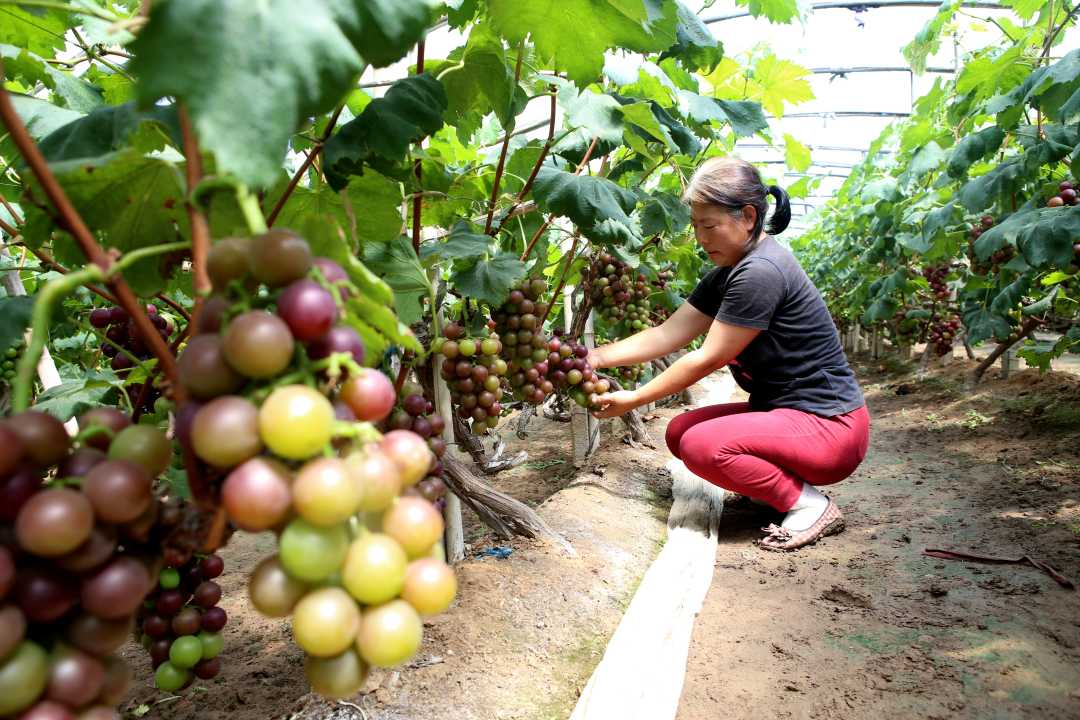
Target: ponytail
x,y
781,216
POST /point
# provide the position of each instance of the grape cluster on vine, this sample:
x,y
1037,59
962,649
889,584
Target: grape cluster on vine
x,y
935,275
417,413
525,345
181,622
619,297
358,560
943,331
81,537
1066,195
475,374
9,362
126,347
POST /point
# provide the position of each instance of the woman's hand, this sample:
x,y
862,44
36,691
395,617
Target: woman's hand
x,y
617,403
593,358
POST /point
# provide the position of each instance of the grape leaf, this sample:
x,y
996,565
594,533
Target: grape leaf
x,y
664,213
972,148
463,243
777,11
71,91
14,319
574,34
597,206
928,39
384,30
41,118
40,32
488,280
982,324
778,82
1044,235
983,191
411,109
478,83
249,72
926,159
695,46
1010,296
936,221
745,117
599,114
68,399
103,131
396,263
796,155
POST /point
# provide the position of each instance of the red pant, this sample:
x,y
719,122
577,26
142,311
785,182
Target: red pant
x,y
769,455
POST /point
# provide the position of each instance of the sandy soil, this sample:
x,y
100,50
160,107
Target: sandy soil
x,y
865,625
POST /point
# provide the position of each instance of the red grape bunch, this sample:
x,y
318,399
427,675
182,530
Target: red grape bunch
x,y
630,374
417,413
357,562
619,296
998,258
77,557
125,345
943,331
526,348
475,374
906,329
1066,195
573,374
182,625
935,275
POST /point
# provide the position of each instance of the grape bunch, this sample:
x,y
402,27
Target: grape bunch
x,y
573,374
10,359
416,413
475,374
943,331
525,346
357,561
1066,195
935,275
79,550
125,345
181,623
619,296
906,328
630,374
998,258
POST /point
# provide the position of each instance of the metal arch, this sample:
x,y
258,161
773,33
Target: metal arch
x,y
861,6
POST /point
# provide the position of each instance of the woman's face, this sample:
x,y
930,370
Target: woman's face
x,y
722,234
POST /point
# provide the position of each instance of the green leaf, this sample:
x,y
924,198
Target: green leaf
x,y
103,131
982,324
972,148
928,158
599,114
777,11
695,46
778,82
384,30
129,201
1043,304
574,34
489,280
66,400
397,264
40,117
796,155
985,190
463,243
39,32
746,117
597,206
71,91
481,82
1010,296
15,314
928,39
249,72
664,213
1026,9
1044,235
641,116
936,221
411,109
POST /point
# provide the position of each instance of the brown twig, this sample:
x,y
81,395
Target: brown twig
x,y
502,152
70,219
11,209
304,167
12,231
535,171
562,281
1026,328
200,228
417,167
46,259
551,218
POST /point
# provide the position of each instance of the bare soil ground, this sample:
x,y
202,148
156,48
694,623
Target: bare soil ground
x,y
858,626
863,624
525,632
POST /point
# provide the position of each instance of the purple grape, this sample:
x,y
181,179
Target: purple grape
x,y
338,339
100,317
308,309
415,405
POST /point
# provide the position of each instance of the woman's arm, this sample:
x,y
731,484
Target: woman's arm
x,y
723,343
685,324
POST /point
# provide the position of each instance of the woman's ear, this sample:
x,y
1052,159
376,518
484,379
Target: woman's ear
x,y
749,217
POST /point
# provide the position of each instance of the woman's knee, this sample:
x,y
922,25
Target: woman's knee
x,y
674,434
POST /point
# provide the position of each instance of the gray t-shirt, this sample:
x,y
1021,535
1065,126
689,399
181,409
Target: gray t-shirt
x,y
796,361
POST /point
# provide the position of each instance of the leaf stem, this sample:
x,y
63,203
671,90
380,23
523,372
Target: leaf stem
x,y
570,257
51,293
249,206
417,204
304,167
503,150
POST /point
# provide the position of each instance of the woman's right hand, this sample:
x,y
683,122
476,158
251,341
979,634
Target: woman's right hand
x,y
593,358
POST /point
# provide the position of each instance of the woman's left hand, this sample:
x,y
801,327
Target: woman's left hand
x,y
617,403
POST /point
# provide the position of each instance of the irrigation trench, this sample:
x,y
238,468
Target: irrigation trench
x,y
643,668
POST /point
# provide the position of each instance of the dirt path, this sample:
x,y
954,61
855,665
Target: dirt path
x,y
863,625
